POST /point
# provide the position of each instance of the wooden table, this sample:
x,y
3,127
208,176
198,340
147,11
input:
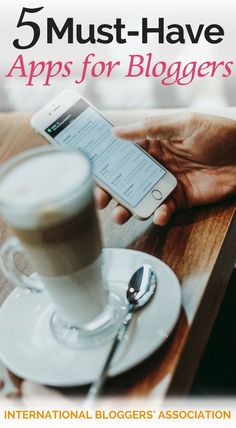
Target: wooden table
x,y
199,245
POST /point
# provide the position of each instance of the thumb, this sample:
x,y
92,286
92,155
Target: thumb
x,y
160,128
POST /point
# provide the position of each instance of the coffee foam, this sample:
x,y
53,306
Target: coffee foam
x,y
33,191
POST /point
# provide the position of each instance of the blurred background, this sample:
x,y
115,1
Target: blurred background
x,y
118,92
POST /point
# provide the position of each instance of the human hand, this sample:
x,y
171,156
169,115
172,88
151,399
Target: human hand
x,y
33,396
200,150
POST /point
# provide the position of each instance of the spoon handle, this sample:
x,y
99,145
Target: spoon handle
x,y
97,386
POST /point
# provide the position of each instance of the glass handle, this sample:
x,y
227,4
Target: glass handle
x,y
8,251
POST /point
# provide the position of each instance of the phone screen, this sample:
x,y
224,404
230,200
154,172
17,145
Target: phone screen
x,y
119,164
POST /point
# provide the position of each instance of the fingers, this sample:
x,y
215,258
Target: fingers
x,y
102,197
35,394
121,215
162,127
164,213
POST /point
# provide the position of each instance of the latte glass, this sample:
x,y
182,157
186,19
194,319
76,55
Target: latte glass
x,y
46,198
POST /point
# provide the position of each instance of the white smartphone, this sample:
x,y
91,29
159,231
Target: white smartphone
x,y
132,177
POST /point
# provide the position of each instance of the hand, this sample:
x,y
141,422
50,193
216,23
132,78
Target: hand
x,y
31,395
200,150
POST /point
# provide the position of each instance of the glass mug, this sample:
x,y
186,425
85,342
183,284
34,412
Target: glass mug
x,y
46,197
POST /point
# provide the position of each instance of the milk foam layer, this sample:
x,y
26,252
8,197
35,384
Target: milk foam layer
x,y
33,190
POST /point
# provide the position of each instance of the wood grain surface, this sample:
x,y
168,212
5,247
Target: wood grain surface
x,y
199,245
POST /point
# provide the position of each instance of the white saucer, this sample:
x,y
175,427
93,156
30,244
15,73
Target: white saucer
x,y
29,350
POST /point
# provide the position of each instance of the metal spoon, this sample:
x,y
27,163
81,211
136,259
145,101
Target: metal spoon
x,y
141,288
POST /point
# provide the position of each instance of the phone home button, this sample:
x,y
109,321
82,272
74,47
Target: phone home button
x,y
156,194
